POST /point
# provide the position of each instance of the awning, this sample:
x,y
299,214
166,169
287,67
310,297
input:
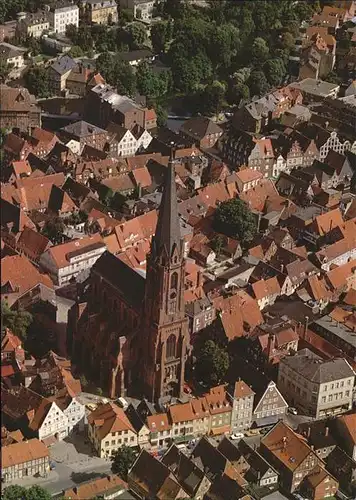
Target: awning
x,y
183,439
221,430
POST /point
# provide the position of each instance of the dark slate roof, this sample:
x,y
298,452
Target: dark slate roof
x,y
122,277
10,213
168,232
82,129
200,126
135,55
188,474
63,64
317,370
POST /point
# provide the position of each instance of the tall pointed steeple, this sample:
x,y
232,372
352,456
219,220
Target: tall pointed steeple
x,y
168,228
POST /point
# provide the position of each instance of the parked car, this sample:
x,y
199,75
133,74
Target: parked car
x,y
238,435
123,403
292,410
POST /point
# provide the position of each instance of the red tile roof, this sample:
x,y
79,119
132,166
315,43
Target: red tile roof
x,y
25,451
60,253
266,288
238,312
142,177
22,275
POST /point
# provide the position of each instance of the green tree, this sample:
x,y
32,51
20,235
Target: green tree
x,y
122,460
17,321
287,40
274,70
259,50
76,51
257,83
212,364
54,230
234,218
238,92
161,35
83,381
36,492
162,115
117,72
213,98
4,71
14,492
37,81
218,243
137,35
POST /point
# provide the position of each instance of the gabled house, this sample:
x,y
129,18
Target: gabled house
x,y
289,455
109,429
242,407
270,406
121,141
249,463
150,478
204,131
59,71
187,473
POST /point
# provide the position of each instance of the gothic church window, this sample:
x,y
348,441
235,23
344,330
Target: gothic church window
x,y
171,347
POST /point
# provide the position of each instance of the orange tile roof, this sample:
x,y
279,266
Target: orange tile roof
x,y
200,407
60,253
317,476
10,342
130,232
339,276
242,390
181,412
150,114
236,311
319,288
248,175
22,275
21,168
286,446
43,135
350,297
257,197
109,418
158,422
25,451
217,400
142,177
324,223
94,488
349,422
266,288
213,194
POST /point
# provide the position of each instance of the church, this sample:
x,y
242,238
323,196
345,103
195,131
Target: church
x,y
129,333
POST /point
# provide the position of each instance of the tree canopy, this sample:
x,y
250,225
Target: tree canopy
x,y
212,364
37,81
15,492
235,219
17,321
123,458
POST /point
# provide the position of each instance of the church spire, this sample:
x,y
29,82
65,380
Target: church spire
x,y
168,232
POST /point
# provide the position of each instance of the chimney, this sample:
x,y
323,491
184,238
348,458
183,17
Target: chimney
x,y
282,268
326,431
306,326
270,345
308,432
312,447
284,440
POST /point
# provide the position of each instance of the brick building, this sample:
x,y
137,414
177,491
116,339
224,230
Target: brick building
x,y
18,109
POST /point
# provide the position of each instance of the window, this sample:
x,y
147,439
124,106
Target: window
x,y
171,347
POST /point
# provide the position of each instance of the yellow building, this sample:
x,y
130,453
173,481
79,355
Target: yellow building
x,y
100,12
33,24
109,429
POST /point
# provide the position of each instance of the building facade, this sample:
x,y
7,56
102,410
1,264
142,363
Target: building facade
x,y
242,407
318,387
24,459
18,109
154,363
64,16
99,12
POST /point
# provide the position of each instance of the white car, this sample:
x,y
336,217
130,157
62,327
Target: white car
x,y
238,435
293,411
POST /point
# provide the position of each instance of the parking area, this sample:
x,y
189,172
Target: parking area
x,y
76,452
